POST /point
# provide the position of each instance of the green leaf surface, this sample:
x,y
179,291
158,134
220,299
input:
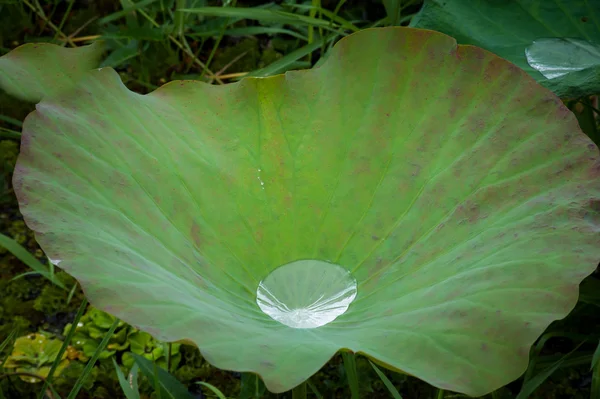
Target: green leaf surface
x,y
460,194
35,70
169,386
557,42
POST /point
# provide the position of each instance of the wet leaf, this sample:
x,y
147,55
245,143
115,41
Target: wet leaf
x,y
35,70
556,42
460,194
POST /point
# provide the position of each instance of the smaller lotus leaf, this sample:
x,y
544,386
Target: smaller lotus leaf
x,y
35,353
557,43
460,194
35,70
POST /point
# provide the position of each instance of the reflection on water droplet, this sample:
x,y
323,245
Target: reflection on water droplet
x,y
556,57
262,183
306,293
55,262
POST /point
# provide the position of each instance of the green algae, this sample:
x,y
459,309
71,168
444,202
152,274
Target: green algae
x,y
91,329
35,354
143,344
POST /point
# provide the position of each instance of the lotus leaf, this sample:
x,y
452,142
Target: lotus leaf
x,y
35,353
460,194
556,42
35,70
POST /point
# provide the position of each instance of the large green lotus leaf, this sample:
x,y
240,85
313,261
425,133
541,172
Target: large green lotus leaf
x,y
35,70
460,194
557,42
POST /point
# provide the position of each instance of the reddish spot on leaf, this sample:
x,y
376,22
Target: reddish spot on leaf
x,y
195,232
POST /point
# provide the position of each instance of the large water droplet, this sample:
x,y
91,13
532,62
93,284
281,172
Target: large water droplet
x,y
556,57
306,293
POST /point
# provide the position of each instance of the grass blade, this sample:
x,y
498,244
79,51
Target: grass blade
x,y
63,348
299,392
386,381
537,349
133,377
393,9
214,389
332,16
595,390
72,292
530,386
595,358
289,59
351,374
179,19
252,386
168,386
314,389
10,120
54,393
7,341
6,133
24,256
125,387
262,15
122,13
88,367
251,31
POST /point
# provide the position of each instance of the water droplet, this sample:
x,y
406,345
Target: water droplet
x,y
556,57
55,262
262,183
306,293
